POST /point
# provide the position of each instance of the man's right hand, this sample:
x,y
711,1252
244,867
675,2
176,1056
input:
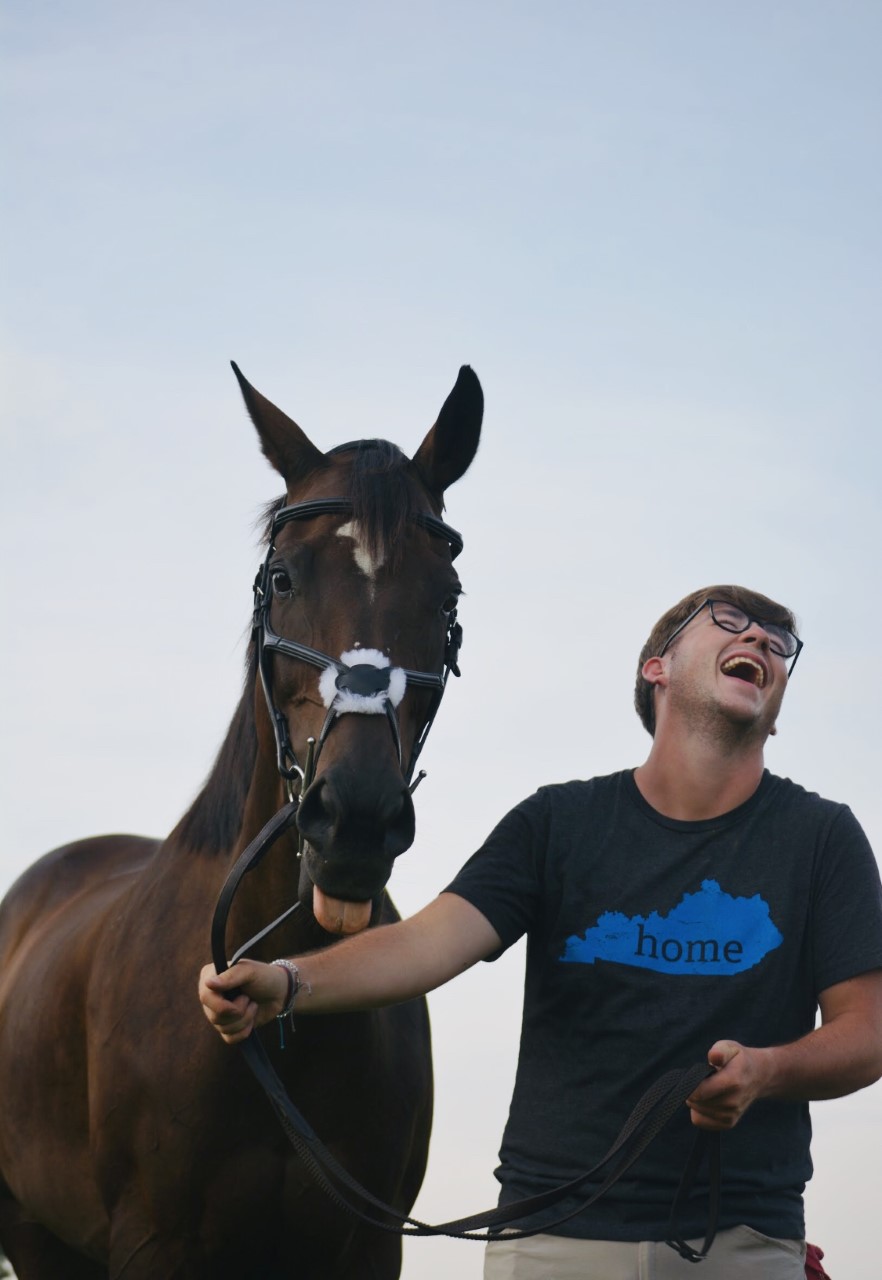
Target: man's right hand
x,y
242,998
380,966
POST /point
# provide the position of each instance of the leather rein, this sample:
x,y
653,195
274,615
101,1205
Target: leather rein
x,y
656,1107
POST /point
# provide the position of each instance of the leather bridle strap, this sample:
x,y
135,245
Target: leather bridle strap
x,y
268,642
294,649
705,1144
343,507
254,852
643,1126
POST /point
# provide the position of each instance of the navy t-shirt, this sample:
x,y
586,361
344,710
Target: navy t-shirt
x,y
647,940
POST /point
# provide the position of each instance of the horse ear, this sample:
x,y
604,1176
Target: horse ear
x,y
287,448
448,449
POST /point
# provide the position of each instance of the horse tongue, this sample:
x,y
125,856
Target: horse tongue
x,y
336,915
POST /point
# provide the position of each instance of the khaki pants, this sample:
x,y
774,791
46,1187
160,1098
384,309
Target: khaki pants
x,y
736,1253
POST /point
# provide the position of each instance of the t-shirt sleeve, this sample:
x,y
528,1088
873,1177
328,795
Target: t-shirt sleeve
x,y
503,879
847,906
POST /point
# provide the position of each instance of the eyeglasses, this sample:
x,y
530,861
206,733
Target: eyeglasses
x,y
728,616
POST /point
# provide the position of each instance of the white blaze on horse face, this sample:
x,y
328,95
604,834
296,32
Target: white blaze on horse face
x,y
368,564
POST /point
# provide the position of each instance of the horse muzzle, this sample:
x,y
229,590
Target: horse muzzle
x,y
355,825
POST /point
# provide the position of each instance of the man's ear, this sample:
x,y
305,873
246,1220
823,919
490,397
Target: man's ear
x,y
654,671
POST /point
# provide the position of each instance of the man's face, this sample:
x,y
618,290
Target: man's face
x,y
735,679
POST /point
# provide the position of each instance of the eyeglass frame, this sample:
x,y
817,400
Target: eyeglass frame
x,y
710,601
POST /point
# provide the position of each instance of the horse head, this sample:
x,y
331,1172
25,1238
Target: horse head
x,y
355,630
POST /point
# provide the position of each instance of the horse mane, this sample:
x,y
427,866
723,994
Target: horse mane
x,y
213,820
384,494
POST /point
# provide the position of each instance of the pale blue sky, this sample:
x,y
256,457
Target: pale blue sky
x,y
653,230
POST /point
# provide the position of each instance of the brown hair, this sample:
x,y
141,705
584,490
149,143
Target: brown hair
x,y
758,606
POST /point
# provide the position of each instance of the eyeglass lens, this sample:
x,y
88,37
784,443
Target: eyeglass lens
x,y
731,618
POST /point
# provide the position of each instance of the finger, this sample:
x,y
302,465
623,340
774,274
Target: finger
x,y
224,981
708,1093
242,1027
722,1053
709,1123
231,1017
219,1002
235,1037
235,1022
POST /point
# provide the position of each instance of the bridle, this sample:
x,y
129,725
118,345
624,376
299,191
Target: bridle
x,y
367,680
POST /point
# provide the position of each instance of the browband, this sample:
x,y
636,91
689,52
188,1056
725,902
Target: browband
x,y
343,506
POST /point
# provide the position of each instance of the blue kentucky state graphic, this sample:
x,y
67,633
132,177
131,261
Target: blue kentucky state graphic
x,y
708,932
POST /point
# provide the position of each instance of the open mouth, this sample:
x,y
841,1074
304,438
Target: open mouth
x,y
747,669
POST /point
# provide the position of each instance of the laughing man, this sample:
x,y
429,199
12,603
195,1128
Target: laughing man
x,y
696,907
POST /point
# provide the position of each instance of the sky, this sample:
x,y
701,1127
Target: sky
x,y
653,231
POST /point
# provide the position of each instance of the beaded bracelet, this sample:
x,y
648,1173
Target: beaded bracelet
x,y
295,983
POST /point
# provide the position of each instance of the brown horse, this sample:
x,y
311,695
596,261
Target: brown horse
x,y
133,1143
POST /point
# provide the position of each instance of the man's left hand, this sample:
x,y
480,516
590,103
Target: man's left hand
x,y
738,1080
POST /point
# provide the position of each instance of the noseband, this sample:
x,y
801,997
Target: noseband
x,y
357,681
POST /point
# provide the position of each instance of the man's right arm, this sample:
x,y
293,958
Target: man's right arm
x,y
380,966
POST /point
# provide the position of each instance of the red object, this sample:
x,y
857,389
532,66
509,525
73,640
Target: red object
x,y
814,1268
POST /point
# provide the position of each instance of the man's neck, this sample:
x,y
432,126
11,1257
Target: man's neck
x,y
690,779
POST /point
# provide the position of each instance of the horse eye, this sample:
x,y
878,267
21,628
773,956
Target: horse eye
x,y
281,582
450,603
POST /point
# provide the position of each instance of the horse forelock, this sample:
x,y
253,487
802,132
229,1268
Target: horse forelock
x,y
384,494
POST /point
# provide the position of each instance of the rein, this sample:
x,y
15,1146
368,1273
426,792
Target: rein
x,y
652,1113
371,681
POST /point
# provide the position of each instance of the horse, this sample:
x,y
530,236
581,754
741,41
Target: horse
x,y
133,1142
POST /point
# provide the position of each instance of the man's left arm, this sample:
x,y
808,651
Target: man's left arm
x,y
840,1056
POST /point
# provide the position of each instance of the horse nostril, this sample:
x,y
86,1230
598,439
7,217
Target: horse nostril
x,y
357,816
399,824
318,812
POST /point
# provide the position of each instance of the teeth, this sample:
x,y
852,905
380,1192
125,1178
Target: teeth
x,y
731,664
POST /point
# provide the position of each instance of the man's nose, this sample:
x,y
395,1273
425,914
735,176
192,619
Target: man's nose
x,y
756,634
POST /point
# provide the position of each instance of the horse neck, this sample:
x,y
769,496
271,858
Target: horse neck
x,y
241,794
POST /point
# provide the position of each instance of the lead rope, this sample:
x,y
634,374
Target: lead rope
x,y
646,1121
651,1114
